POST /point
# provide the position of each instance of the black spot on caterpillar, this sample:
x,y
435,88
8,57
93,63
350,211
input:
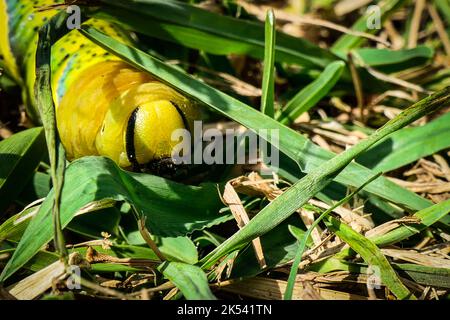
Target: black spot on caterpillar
x,y
129,140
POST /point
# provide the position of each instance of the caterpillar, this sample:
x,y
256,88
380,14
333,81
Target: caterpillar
x,y
104,106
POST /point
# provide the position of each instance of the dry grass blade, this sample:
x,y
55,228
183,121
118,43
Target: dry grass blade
x,y
344,7
440,28
258,11
417,258
415,23
148,238
232,199
39,282
272,289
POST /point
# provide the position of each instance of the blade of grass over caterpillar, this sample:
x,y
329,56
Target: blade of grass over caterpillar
x,y
306,154
302,245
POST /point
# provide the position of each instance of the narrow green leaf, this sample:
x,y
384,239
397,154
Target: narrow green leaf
x,y
427,217
372,255
306,154
408,145
311,94
429,276
444,7
46,107
191,280
394,60
267,97
20,155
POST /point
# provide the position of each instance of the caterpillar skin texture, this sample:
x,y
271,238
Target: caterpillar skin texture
x,y
103,105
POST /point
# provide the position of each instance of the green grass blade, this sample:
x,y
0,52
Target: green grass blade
x,y
372,255
444,7
297,195
191,280
311,94
268,84
389,61
46,107
172,209
20,155
427,217
347,42
305,153
214,33
302,245
408,145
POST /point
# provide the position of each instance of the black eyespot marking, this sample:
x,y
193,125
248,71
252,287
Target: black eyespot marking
x,y
129,141
183,117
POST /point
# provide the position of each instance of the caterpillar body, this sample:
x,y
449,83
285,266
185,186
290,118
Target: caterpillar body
x,y
103,105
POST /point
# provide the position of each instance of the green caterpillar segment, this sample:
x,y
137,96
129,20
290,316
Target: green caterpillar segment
x,y
103,105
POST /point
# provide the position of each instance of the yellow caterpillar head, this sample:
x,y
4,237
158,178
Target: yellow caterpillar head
x,y
117,111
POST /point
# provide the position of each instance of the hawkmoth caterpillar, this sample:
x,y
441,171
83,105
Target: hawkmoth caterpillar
x,y
103,105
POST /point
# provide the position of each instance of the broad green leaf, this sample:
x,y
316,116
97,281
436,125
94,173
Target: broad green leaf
x,y
191,280
13,228
180,249
92,225
20,155
372,255
171,209
408,145
267,97
306,154
309,96
37,188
